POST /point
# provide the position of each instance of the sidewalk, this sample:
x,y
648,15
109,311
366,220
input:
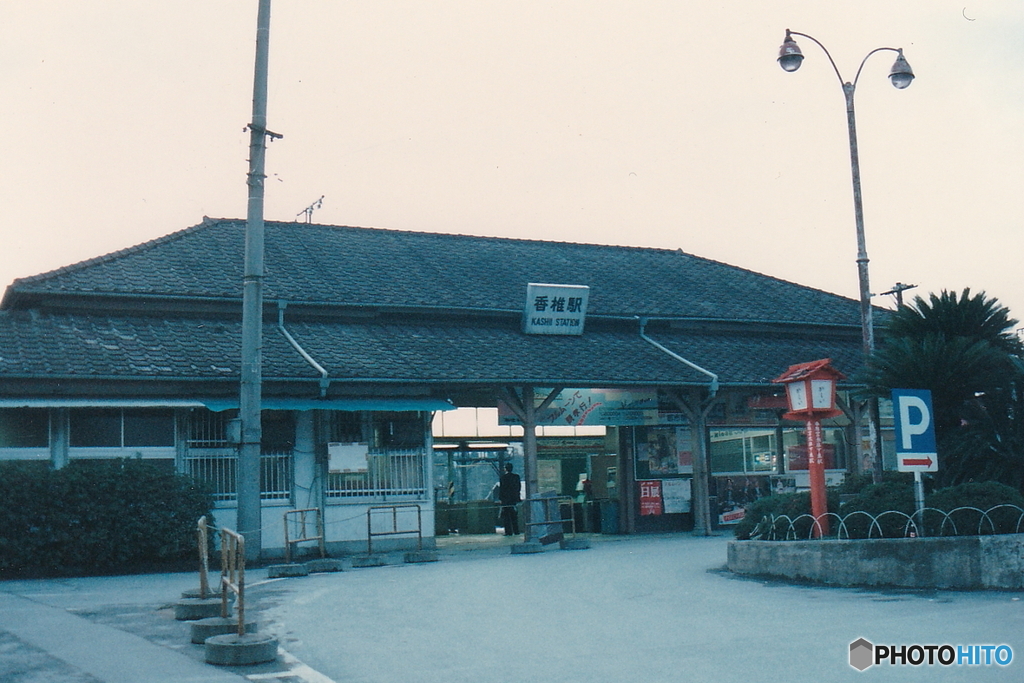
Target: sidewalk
x,y
118,629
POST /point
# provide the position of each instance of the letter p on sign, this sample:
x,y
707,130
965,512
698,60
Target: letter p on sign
x,y
915,430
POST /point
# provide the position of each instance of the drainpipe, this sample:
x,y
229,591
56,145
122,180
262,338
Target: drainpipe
x,y
324,380
712,387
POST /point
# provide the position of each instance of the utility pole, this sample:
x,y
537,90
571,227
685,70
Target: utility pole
x,y
897,291
250,398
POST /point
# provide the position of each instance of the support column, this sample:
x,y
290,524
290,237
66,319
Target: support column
x,y
696,409
522,403
60,437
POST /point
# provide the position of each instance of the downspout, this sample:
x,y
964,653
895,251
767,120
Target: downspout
x,y
712,387
324,379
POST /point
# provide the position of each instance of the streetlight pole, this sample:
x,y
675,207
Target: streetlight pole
x,y
901,76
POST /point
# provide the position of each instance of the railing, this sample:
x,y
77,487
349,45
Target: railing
x,y
203,540
555,523
394,530
389,474
232,574
296,519
218,468
1000,519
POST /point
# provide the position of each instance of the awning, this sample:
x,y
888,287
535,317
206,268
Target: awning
x,y
347,404
219,404
57,402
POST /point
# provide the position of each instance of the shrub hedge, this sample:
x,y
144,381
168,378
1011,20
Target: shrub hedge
x,y
96,517
897,494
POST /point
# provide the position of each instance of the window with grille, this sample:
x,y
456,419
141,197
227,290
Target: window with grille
x,y
396,459
210,459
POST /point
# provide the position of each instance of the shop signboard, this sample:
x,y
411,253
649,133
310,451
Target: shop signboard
x,y
586,407
650,497
555,309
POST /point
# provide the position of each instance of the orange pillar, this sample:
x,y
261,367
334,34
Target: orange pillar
x,y
816,470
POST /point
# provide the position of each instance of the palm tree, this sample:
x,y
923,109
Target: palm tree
x,y
965,351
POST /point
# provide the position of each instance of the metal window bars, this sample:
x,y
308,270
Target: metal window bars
x,y
390,473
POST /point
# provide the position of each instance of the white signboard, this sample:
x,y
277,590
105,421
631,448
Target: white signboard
x,y
347,457
676,495
555,309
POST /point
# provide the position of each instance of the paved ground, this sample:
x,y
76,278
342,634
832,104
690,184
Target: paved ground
x,y
647,609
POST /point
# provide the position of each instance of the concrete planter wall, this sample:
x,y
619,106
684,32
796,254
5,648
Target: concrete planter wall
x,y
960,562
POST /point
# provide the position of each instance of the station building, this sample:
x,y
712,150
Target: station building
x,y
649,384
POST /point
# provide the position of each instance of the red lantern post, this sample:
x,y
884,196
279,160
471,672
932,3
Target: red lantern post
x,y
811,394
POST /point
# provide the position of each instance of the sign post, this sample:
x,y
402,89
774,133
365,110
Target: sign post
x,y
915,438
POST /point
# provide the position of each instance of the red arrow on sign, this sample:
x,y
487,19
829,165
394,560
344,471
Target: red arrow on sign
x,y
917,462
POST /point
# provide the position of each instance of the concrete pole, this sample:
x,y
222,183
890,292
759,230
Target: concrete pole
x,y
250,398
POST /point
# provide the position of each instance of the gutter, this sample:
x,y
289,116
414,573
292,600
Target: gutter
x,y
324,379
712,387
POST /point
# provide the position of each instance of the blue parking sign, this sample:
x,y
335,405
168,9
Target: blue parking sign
x,y
915,430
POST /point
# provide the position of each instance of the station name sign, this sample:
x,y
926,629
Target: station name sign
x,y
555,309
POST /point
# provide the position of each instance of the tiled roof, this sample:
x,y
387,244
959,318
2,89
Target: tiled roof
x,y
150,348
388,268
57,346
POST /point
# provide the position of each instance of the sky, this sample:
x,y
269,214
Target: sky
x,y
654,124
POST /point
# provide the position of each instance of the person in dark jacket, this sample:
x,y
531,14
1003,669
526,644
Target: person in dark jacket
x,y
508,496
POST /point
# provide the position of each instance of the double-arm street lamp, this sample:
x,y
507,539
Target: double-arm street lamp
x,y
901,76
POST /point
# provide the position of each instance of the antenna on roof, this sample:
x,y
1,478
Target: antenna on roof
x,y
308,211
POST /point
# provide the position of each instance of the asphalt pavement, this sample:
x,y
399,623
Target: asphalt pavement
x,y
639,608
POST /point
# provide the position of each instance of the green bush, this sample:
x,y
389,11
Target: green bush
x,y
95,517
892,495
975,496
790,505
968,508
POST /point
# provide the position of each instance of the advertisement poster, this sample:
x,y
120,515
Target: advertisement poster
x,y
650,497
676,494
664,451
549,476
735,493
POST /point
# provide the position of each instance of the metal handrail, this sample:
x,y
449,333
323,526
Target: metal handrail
x,y
232,574
301,526
549,519
395,531
202,539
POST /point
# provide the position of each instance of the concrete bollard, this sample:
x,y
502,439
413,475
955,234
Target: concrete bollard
x,y
369,561
420,556
324,565
232,649
527,548
190,609
278,571
217,626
